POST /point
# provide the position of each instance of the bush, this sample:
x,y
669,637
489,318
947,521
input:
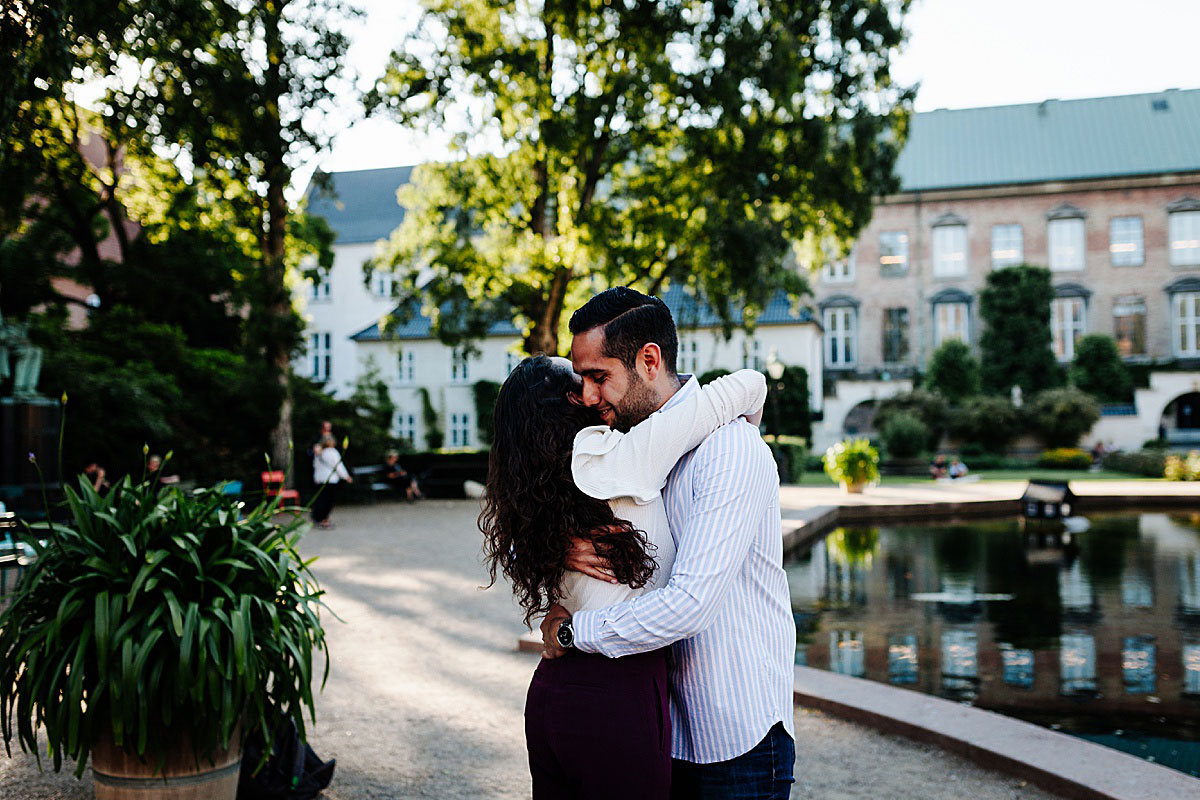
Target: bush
x,y
985,421
485,393
953,372
793,404
1061,416
712,375
904,436
793,450
929,407
1155,444
1183,469
1099,371
853,461
1064,458
1149,463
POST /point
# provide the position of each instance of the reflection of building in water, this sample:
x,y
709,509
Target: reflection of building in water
x,y
1189,585
1137,662
902,658
846,653
1018,666
1075,589
960,662
1191,669
1077,663
1137,587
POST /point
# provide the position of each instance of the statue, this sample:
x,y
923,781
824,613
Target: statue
x,y
20,359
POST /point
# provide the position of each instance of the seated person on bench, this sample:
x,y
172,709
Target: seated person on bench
x,y
400,478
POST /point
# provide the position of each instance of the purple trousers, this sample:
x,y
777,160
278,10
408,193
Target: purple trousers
x,y
599,727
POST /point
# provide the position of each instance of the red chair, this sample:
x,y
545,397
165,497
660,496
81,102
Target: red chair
x,y
272,486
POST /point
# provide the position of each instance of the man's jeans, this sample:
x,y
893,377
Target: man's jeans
x,y
764,773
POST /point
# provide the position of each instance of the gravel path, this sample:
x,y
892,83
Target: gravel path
x,y
426,692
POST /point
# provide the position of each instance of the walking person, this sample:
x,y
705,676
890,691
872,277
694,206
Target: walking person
x,y
725,611
595,727
328,474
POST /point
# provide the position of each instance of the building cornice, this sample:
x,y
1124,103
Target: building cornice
x,y
1043,188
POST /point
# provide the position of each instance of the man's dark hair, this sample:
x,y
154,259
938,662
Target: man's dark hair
x,y
630,320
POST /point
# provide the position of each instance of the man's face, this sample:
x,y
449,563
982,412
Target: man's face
x,y
622,397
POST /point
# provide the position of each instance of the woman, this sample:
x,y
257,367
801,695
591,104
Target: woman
x,y
594,726
328,472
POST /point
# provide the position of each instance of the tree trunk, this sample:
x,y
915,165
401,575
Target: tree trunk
x,y
543,337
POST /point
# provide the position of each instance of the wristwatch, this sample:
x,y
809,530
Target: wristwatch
x,y
565,634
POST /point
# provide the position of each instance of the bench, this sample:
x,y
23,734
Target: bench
x,y
369,482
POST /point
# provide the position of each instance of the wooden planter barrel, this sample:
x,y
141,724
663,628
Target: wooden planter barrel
x,y
120,775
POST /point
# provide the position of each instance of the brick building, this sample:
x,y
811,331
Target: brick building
x,y
1105,192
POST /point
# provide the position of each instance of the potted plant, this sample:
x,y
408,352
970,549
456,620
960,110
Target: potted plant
x,y
155,631
853,463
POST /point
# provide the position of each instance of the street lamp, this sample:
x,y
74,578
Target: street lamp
x,y
775,370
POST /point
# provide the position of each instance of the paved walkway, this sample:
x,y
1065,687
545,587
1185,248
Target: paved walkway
x,y
426,691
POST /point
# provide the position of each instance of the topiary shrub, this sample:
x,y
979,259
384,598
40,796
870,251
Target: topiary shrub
x,y
905,435
985,421
1064,458
1061,416
1099,371
953,372
930,407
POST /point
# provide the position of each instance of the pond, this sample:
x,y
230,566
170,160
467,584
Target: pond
x,y
1093,630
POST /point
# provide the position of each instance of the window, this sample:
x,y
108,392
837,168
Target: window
x,y
1184,233
320,347
1186,310
1066,325
752,357
511,360
460,430
895,335
408,367
840,326
381,283
1125,245
893,254
1077,663
1008,246
840,271
951,321
949,251
406,424
1129,325
689,356
318,289
460,365
1066,237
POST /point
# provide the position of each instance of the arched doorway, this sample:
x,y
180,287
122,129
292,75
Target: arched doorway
x,y
860,421
1180,423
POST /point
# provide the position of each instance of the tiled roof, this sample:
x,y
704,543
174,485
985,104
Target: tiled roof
x,y
361,205
1056,140
688,313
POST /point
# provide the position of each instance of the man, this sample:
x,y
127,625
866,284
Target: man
x,y
726,609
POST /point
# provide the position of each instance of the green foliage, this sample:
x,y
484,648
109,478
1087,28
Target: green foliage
x,y
953,372
1015,307
1064,458
485,393
712,375
794,415
1149,463
853,461
930,407
852,545
904,435
986,421
1061,416
434,436
644,142
153,610
1182,469
1099,371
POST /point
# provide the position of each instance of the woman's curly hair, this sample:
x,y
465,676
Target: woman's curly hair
x,y
532,508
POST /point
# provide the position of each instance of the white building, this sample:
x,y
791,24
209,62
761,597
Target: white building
x,y
348,332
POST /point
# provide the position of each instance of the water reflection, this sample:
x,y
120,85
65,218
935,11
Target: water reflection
x,y
1094,632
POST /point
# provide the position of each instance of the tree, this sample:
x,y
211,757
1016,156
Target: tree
x,y
953,372
987,421
1099,371
904,435
929,407
638,143
1061,416
1015,306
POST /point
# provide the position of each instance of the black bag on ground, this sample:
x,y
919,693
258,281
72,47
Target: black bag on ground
x,y
293,771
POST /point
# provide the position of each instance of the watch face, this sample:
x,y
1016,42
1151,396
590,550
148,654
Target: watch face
x,y
566,636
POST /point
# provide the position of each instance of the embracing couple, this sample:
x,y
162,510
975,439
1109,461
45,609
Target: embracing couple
x,y
639,513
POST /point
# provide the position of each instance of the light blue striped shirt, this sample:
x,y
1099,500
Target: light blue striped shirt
x,y
726,608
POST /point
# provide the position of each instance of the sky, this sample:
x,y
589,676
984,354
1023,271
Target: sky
x,y
963,53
